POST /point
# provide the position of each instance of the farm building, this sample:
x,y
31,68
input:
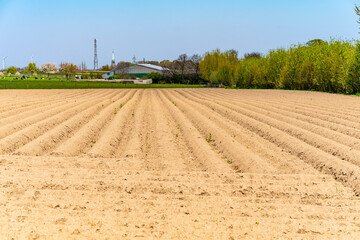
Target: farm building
x,y
140,70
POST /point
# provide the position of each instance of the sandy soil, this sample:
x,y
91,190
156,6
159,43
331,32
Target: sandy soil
x,y
179,164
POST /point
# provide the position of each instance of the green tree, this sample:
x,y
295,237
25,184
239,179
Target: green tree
x,y
31,68
354,72
220,67
155,76
11,70
332,66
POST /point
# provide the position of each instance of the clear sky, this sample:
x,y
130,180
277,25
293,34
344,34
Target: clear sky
x,y
64,31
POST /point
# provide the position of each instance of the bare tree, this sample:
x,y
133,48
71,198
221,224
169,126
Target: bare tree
x,y
122,68
252,55
195,62
182,64
169,70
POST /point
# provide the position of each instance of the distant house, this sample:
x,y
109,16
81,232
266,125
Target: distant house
x,y
140,70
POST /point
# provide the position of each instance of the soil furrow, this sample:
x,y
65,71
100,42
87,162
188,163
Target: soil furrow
x,y
13,126
81,142
182,140
204,154
308,101
130,146
51,139
22,137
179,164
12,119
336,115
240,156
283,161
28,106
162,151
110,138
329,141
337,126
342,171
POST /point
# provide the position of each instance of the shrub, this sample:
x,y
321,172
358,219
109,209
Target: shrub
x,y
85,76
155,76
11,70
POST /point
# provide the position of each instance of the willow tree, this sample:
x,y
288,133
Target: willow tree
x,y
220,67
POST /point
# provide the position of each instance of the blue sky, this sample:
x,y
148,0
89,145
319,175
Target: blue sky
x,y
63,31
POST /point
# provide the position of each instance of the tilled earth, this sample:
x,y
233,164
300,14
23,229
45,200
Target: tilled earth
x,y
179,164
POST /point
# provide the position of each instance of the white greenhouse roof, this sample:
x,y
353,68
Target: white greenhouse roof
x,y
158,68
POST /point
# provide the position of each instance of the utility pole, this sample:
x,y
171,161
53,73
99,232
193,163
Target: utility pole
x,y
96,64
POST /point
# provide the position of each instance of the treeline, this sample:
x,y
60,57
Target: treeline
x,y
183,70
317,65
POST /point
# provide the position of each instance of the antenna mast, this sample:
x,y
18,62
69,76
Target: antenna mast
x,y
96,66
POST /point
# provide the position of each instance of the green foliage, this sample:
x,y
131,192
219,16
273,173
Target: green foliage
x,y
95,75
220,67
155,76
318,65
31,68
353,80
209,138
85,75
119,76
11,70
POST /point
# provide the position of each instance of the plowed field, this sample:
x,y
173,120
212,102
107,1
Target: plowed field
x,y
179,164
